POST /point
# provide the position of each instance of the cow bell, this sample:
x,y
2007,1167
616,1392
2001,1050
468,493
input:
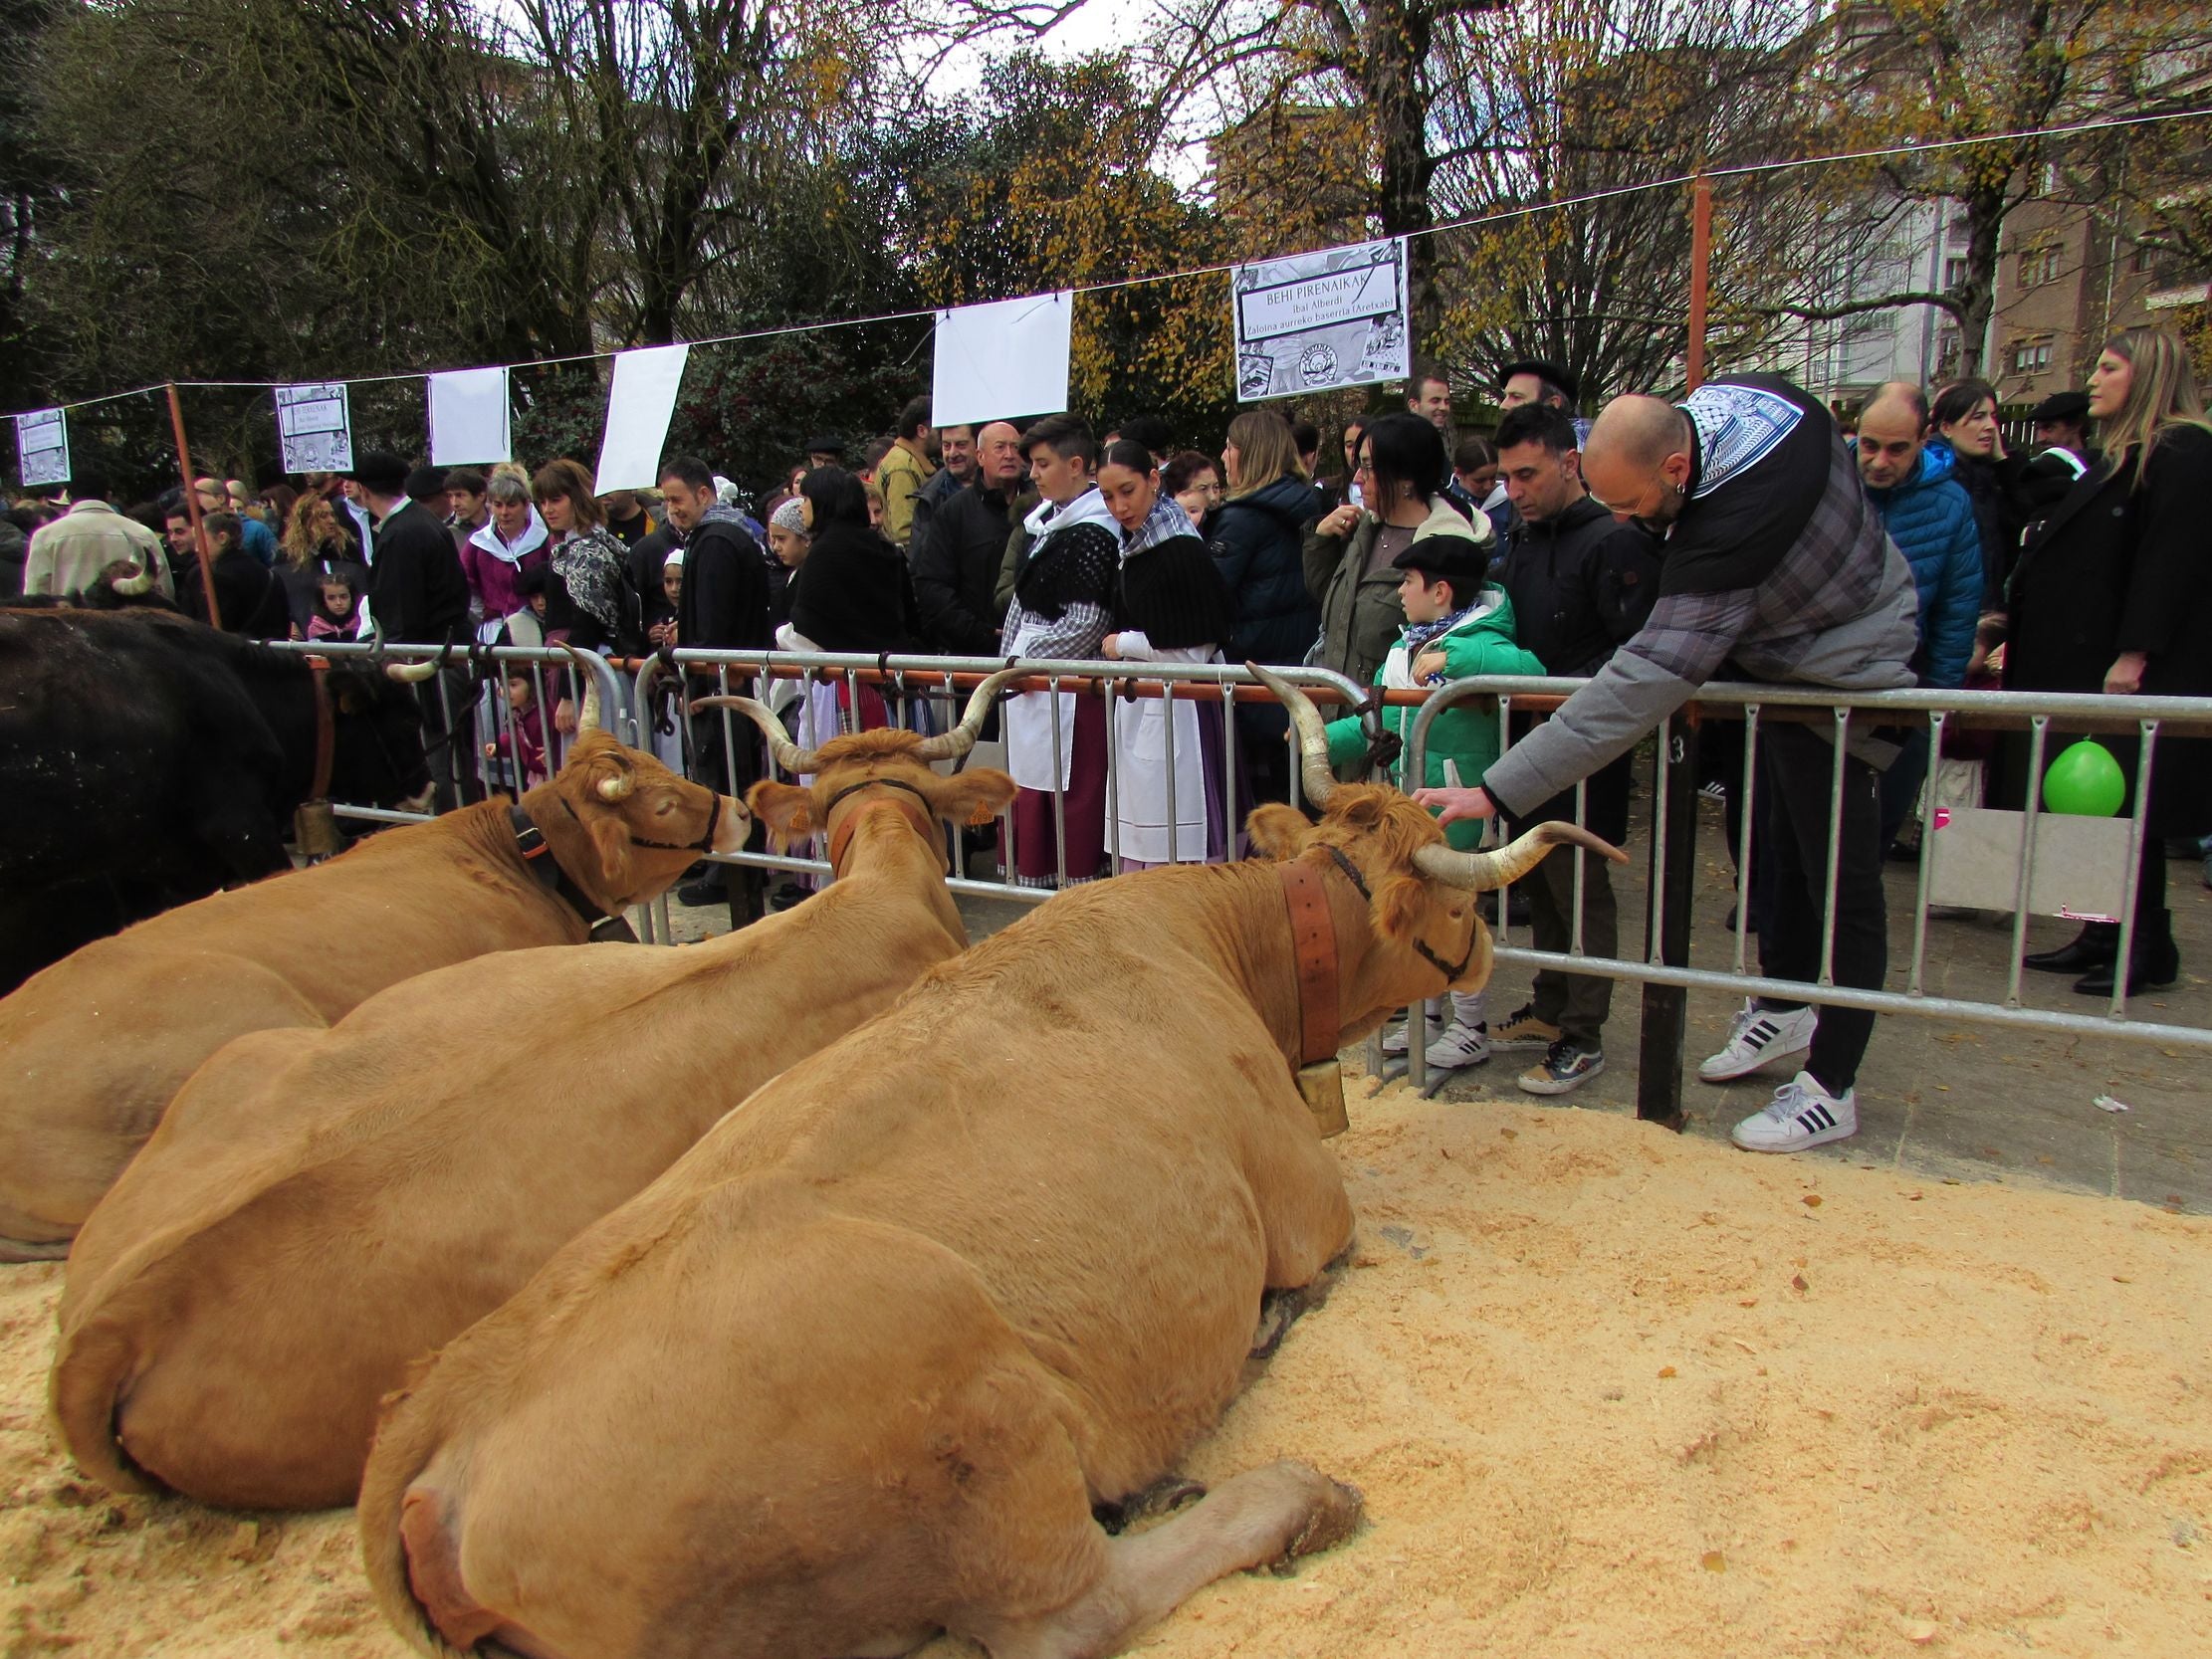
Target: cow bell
x,y
1321,1084
314,830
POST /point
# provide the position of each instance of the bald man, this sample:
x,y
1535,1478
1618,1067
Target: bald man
x,y
1774,564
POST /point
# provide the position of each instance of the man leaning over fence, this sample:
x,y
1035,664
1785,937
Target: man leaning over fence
x,y
1774,564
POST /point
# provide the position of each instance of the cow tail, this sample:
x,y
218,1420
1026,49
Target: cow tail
x,y
401,1452
94,1363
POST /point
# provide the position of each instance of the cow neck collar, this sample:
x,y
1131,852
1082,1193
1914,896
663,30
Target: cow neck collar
x,y
1314,948
840,838
326,730
537,858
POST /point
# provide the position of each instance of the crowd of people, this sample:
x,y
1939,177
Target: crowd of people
x,y
1744,533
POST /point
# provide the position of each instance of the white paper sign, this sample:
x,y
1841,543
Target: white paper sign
x,y
42,447
468,416
1314,322
315,428
639,405
1003,360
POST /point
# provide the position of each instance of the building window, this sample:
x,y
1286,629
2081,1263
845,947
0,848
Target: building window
x,y
2143,259
1946,352
2039,265
2030,356
1955,271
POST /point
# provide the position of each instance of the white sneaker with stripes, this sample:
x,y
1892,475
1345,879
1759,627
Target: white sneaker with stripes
x,y
1801,1114
1759,1037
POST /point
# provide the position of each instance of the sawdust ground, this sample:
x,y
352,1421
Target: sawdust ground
x,y
1609,1392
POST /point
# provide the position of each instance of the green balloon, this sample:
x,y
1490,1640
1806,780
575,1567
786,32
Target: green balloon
x,y
2085,782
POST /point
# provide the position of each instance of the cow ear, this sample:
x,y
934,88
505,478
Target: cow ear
x,y
1277,830
787,809
974,797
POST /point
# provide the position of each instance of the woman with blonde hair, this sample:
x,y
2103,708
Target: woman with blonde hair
x,y
2111,594
316,548
1256,537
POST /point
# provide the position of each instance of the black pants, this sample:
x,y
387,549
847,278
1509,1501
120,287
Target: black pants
x,y
1575,1003
1790,839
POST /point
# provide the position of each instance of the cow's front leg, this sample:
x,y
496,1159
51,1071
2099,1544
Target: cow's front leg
x,y
1262,1517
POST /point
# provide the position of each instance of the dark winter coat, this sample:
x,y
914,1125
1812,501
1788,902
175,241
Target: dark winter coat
x,y
2117,569
247,592
956,573
1931,518
416,590
1257,542
725,604
1581,583
853,593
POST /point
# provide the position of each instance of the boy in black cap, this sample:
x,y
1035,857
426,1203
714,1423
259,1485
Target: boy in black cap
x,y
1457,623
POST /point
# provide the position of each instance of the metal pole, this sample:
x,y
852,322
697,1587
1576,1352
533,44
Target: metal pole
x,y
1666,1022
193,509
1700,276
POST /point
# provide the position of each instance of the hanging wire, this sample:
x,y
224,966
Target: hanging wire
x,y
1673,181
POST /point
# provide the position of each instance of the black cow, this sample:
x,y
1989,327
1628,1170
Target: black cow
x,y
147,759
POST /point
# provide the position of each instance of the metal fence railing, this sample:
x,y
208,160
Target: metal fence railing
x,y
644,703
1663,967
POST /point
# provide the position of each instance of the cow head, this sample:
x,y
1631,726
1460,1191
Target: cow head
x,y
1420,892
376,750
622,825
865,767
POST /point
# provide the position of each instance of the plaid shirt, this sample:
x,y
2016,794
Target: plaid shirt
x,y
1839,609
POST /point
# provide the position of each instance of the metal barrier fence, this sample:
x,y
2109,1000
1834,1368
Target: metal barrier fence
x,y
931,689
1665,970
640,703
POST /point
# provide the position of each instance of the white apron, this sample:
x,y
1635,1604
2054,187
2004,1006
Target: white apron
x,y
1140,737
1028,721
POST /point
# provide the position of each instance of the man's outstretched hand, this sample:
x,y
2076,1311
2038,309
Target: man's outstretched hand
x,y
1456,804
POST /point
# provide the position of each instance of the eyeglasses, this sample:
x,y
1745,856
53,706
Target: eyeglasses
x,y
1364,466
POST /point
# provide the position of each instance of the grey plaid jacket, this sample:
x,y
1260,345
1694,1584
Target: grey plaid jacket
x,y
1838,609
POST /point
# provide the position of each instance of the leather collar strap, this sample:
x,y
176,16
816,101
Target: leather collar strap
x,y
539,860
326,732
840,838
1313,938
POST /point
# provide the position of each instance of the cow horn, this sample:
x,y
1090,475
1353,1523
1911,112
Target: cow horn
x,y
588,717
1313,737
1484,871
411,674
951,745
135,585
788,754
619,786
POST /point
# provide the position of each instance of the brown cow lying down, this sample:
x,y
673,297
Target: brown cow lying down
x,y
859,1366
319,1208
93,1048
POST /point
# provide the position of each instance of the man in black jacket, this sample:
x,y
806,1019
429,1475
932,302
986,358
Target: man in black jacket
x,y
418,595
1581,582
956,565
724,606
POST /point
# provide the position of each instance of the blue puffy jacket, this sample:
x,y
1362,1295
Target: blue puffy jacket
x,y
1930,517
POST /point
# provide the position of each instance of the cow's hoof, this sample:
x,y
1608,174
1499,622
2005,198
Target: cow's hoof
x,y
1335,1515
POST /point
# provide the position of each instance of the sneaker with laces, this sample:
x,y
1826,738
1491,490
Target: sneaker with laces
x,y
1523,1030
1760,1037
1461,1046
1801,1114
1565,1067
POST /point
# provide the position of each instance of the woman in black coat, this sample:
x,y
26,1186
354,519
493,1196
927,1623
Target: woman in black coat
x,y
2113,593
1257,540
854,593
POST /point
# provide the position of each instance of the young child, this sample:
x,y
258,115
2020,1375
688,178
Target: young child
x,y
1457,623
524,739
337,609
